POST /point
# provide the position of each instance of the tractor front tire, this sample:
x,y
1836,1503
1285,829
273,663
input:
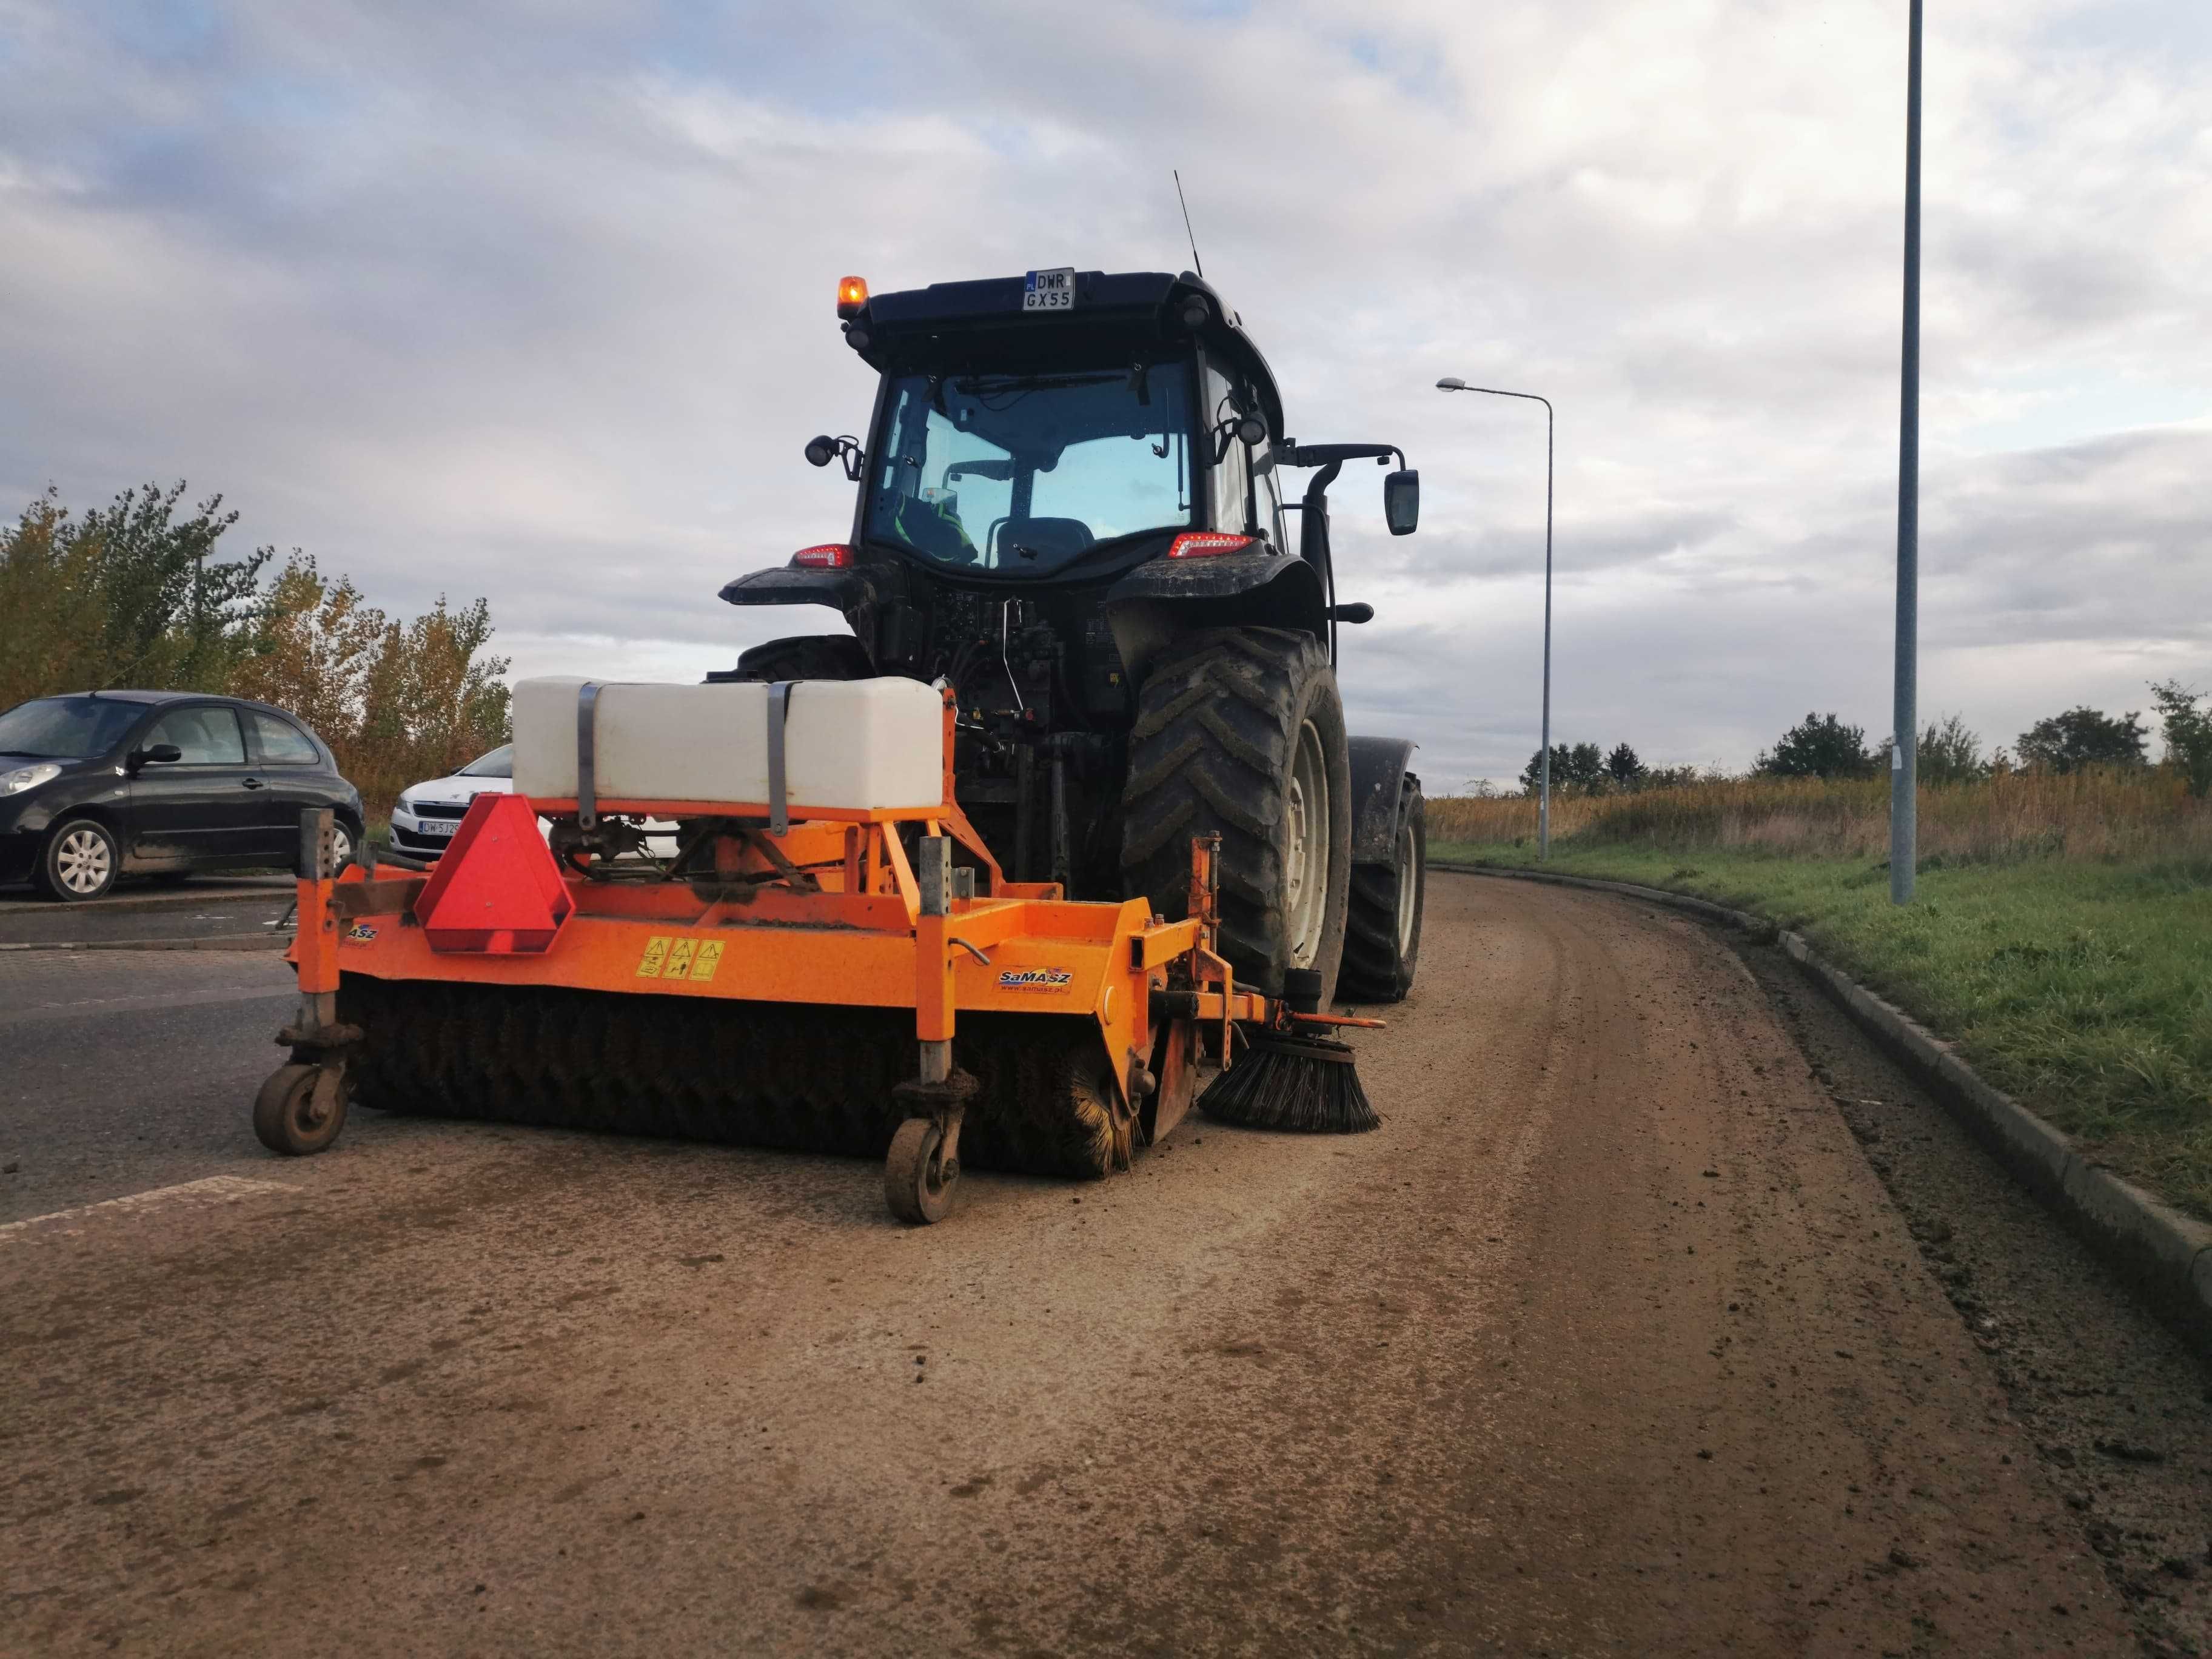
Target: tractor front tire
x,y
1382,929
1240,730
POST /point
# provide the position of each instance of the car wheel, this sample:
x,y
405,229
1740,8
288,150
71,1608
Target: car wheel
x,y
81,861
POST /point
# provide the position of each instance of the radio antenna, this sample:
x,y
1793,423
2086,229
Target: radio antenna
x,y
1187,230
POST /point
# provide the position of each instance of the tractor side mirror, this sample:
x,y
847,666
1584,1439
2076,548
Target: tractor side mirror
x,y
821,451
164,752
1401,501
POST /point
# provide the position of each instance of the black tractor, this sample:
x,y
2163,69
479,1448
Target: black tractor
x,y
1073,511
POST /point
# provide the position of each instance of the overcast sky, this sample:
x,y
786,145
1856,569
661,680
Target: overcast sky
x,y
537,303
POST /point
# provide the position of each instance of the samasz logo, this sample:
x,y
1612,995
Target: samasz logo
x,y
1034,979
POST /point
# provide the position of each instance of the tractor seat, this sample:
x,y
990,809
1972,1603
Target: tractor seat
x,y
1049,540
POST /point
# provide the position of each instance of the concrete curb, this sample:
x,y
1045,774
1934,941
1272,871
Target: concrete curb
x,y
2166,1255
272,940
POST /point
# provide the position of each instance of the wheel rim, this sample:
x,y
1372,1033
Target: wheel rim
x,y
341,848
300,1106
82,861
1409,887
1306,872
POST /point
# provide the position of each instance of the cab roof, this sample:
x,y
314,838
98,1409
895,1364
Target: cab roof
x,y
1117,316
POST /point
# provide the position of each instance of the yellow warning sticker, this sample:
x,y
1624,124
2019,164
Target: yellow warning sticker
x,y
668,956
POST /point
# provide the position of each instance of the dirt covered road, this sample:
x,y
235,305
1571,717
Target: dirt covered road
x,y
1609,1342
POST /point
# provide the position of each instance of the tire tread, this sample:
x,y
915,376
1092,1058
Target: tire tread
x,y
1215,733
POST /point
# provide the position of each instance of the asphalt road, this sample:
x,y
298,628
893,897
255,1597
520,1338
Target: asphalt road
x,y
1612,1339
232,909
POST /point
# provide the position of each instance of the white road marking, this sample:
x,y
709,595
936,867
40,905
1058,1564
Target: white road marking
x,y
213,1190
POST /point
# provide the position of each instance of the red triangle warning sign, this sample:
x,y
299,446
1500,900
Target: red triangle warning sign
x,y
496,889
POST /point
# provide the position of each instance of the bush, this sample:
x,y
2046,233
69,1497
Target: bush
x,y
1819,746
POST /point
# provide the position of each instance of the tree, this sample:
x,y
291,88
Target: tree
x,y
1623,766
2083,737
1819,746
1949,752
398,702
312,650
1579,767
2188,733
130,594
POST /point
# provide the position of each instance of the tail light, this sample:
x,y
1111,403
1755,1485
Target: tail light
x,y
1208,544
828,555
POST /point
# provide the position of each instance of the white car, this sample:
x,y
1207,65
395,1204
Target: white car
x,y
425,814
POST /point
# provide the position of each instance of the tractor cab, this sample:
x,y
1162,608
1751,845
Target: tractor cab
x,y
1082,435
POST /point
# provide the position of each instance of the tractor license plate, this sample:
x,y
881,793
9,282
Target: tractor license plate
x,y
1050,291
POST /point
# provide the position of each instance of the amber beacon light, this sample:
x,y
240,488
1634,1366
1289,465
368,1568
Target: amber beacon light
x,y
852,294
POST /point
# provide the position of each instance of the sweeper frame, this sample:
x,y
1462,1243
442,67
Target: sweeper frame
x,y
883,909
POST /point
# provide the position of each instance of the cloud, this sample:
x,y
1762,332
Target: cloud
x,y
534,303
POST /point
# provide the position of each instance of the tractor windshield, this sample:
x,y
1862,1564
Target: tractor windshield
x,y
1024,473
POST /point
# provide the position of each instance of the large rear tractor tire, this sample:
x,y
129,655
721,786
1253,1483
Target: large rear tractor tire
x,y
1241,730
1382,928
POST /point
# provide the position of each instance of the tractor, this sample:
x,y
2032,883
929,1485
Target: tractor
x,y
1072,514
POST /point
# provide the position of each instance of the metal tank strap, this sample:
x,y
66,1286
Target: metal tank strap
x,y
587,702
779,711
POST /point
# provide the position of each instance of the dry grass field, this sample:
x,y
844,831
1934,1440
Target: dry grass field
x,y
2099,815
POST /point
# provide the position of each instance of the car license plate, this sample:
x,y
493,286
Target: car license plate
x,y
436,826
1050,291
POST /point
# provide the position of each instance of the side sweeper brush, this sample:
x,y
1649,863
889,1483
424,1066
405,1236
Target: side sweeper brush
x,y
1290,1077
832,961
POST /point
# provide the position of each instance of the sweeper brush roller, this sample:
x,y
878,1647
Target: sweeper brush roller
x,y
799,1076
832,961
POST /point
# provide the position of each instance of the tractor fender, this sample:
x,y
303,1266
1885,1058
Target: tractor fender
x,y
1164,599
841,590
1379,766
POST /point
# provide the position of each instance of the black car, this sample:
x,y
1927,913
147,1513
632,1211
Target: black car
x,y
109,783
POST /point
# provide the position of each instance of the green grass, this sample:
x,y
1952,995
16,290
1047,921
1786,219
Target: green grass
x,y
2082,989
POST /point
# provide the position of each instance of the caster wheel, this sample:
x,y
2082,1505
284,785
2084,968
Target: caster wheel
x,y
299,1110
918,1182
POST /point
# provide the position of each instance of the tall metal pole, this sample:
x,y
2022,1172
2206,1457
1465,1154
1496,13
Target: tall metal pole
x,y
1544,798
1904,752
1452,383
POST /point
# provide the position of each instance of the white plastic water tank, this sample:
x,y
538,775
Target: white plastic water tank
x,y
849,743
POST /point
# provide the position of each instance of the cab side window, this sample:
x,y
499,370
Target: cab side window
x,y
283,744
1232,477
206,737
1267,498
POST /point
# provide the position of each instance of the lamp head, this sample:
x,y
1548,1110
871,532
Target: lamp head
x,y
1451,382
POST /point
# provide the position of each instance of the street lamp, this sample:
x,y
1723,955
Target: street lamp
x,y
1452,383
1905,745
